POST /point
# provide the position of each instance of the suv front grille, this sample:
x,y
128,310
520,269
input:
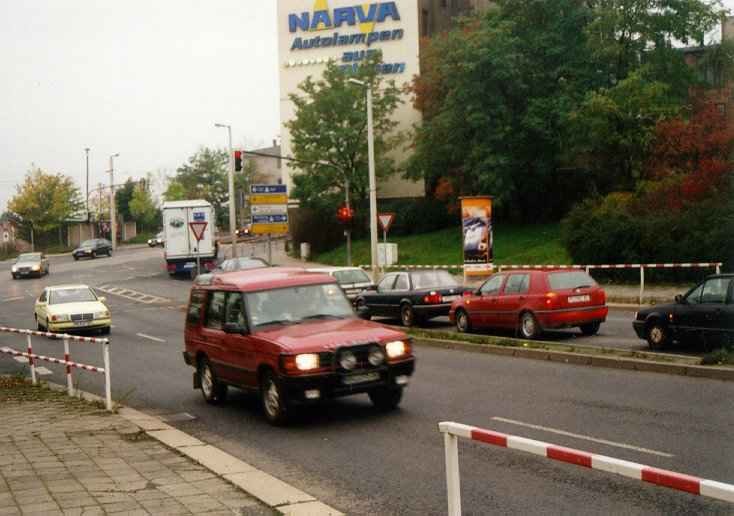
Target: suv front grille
x,y
82,317
361,351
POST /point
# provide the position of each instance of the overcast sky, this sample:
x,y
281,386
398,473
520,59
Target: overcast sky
x,y
144,78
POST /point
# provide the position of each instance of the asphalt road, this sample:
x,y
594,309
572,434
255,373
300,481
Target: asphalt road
x,y
364,462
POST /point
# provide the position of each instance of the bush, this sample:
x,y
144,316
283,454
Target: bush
x,y
608,230
414,216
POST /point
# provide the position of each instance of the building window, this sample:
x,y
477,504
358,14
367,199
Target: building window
x,y
424,23
721,108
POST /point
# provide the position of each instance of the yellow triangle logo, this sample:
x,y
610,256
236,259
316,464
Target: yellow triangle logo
x,y
368,26
321,5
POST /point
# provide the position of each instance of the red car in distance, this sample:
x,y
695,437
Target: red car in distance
x,y
530,301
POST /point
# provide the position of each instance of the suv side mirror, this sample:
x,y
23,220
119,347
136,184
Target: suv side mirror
x,y
231,327
680,299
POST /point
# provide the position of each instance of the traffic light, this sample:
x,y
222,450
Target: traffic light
x,y
238,161
344,214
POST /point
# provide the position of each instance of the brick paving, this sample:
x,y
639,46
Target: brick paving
x,y
60,456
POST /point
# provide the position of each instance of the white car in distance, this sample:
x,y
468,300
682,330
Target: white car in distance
x,y
72,307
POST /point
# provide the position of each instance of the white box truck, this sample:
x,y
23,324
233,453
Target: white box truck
x,y
181,246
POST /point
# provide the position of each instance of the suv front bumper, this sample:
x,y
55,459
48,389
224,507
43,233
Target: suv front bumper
x,y
332,385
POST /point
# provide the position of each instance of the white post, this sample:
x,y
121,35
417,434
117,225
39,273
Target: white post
x,y
453,486
107,383
373,184
113,222
30,361
718,268
67,358
642,282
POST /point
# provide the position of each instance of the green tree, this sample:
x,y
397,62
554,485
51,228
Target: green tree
x,y
142,207
329,134
123,196
46,200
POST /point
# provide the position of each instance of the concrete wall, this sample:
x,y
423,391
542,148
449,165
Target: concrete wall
x,y
297,64
79,232
129,230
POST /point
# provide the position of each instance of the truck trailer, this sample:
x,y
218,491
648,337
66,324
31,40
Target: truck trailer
x,y
181,246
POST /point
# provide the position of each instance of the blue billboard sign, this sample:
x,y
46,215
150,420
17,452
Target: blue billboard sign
x,y
269,219
266,189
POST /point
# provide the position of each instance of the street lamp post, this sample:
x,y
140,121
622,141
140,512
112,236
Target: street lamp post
x,y
372,179
113,222
232,211
86,151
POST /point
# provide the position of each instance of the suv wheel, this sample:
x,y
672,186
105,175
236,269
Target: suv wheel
x,y
407,315
213,391
273,400
657,335
591,328
463,324
529,328
385,398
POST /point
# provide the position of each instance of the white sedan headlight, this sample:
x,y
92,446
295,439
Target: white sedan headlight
x,y
36,268
307,361
14,268
102,315
396,348
61,318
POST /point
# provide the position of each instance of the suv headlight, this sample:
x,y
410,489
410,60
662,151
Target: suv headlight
x,y
347,360
397,348
102,315
307,361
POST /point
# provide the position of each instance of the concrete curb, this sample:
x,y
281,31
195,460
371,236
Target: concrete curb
x,y
271,491
630,364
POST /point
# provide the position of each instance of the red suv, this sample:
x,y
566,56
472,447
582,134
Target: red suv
x,y
531,301
293,337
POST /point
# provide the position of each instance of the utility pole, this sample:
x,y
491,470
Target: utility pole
x,y
372,179
113,222
86,151
232,206
348,231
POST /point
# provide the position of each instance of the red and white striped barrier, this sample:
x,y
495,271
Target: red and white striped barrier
x,y
587,268
679,481
66,361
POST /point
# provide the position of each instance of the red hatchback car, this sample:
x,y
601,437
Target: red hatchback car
x,y
293,337
530,301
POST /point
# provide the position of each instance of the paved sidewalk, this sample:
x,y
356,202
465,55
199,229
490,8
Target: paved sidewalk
x,y
61,456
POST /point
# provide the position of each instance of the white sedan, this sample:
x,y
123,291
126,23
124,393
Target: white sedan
x,y
72,307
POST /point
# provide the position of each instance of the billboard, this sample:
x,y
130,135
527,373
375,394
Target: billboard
x,y
476,230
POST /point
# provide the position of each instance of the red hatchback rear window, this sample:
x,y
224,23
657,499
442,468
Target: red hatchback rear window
x,y
570,280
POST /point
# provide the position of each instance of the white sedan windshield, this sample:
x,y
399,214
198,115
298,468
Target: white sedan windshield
x,y
297,304
71,295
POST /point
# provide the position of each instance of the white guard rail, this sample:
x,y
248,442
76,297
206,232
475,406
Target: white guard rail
x,y
66,361
642,266
452,431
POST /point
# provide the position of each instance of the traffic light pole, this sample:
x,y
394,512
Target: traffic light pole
x,y
348,231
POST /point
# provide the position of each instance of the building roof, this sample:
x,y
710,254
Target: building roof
x,y
267,279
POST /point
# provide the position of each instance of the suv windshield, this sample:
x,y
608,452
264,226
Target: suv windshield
x,y
569,280
432,279
71,295
351,276
296,304
30,257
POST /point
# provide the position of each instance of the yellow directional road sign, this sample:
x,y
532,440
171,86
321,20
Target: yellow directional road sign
x,y
273,229
269,199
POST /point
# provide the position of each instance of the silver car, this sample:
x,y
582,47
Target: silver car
x,y
352,280
30,264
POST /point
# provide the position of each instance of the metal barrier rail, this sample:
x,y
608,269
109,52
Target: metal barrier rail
x,y
608,266
66,361
452,431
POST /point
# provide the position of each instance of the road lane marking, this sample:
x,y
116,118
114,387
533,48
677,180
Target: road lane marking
x,y
43,371
143,335
22,360
16,298
584,437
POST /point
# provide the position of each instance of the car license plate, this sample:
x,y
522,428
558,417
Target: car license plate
x,y
189,265
579,299
82,323
360,378
24,273
448,299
